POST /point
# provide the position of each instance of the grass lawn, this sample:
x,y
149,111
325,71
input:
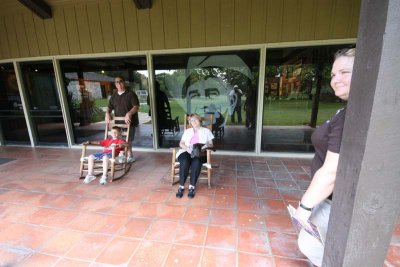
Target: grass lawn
x,y
296,112
276,112
280,112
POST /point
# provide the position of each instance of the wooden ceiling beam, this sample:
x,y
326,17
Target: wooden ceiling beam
x,y
39,7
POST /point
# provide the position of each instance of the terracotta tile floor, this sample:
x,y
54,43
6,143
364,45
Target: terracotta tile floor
x,y
49,218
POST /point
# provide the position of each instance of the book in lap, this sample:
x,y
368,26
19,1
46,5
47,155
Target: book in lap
x,y
314,231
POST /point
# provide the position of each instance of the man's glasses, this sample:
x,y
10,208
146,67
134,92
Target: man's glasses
x,y
120,81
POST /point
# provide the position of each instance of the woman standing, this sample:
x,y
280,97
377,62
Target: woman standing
x,y
315,204
195,135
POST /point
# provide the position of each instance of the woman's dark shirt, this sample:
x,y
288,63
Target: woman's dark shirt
x,y
327,137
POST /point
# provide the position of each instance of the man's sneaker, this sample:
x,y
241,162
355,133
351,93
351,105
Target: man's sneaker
x,y
191,193
179,194
103,180
131,159
89,178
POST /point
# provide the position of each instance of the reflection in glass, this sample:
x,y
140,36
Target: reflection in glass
x,y
223,84
12,121
297,96
44,104
90,83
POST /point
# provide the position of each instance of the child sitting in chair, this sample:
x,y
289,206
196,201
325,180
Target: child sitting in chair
x,y
105,155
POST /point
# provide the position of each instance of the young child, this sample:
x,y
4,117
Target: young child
x,y
105,155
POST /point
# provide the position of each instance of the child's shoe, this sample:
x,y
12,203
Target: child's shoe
x,y
103,180
131,159
89,178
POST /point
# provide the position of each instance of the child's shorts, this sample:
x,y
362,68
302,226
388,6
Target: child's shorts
x,y
100,155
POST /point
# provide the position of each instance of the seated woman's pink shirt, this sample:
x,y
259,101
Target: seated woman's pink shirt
x,y
195,138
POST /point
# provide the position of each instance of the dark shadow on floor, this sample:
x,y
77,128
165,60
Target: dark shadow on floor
x,y
5,160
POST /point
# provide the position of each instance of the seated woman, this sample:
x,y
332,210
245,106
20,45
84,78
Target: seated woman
x,y
195,135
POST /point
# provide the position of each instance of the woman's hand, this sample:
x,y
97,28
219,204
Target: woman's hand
x,y
303,216
189,149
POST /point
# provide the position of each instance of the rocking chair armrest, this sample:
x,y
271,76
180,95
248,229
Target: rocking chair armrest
x,y
123,145
174,151
88,144
113,151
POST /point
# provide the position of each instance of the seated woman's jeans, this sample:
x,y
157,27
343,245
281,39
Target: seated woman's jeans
x,y
188,163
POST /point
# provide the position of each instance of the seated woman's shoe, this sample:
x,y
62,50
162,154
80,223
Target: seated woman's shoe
x,y
179,194
191,193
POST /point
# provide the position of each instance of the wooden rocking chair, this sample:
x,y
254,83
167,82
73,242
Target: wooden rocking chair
x,y
117,167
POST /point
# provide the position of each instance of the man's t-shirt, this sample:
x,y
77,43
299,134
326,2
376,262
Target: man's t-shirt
x,y
121,104
328,136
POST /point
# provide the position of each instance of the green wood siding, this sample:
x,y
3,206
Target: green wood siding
x,y
212,22
183,7
197,23
12,36
118,26
306,20
273,31
96,33
258,21
21,36
107,26
170,24
227,22
51,34
41,36
157,25
242,21
144,26
131,26
61,31
102,26
85,39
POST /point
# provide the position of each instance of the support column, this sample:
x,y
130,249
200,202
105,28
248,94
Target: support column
x,y
366,199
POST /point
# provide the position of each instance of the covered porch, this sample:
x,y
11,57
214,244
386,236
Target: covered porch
x,y
49,218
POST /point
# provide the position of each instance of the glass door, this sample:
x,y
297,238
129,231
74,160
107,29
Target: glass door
x,y
297,96
12,121
223,84
89,84
44,103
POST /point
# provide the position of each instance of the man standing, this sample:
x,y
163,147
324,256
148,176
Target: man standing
x,y
236,103
125,103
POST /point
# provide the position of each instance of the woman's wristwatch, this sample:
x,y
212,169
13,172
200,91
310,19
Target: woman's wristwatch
x,y
305,207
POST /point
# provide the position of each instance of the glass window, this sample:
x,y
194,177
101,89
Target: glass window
x,y
44,103
221,83
90,83
12,120
297,96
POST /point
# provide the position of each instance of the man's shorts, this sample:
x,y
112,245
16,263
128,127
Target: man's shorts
x,y
131,134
